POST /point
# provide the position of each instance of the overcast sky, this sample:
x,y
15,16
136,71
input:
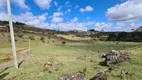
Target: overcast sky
x,y
107,15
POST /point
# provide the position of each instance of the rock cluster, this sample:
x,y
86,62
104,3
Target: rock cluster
x,y
115,57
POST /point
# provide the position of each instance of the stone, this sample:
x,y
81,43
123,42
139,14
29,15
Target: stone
x,y
59,64
115,57
102,75
48,64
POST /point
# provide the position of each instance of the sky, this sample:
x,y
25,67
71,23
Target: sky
x,y
66,15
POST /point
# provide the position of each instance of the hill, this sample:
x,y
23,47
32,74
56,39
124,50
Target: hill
x,y
74,35
139,29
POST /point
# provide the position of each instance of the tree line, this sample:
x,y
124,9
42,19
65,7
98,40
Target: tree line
x,y
125,36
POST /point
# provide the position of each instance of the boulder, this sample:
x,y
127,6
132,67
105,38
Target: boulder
x,y
59,64
102,75
115,57
48,64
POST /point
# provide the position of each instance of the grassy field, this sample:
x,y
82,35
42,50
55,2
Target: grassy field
x,y
33,69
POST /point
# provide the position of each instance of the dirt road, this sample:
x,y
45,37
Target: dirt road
x,y
23,55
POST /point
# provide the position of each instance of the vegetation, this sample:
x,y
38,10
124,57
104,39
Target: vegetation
x,y
34,69
42,39
126,36
91,45
32,37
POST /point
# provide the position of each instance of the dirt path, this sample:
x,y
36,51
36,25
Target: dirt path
x,y
23,55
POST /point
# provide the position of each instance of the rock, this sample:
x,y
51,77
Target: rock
x,y
59,64
75,76
48,64
49,71
102,75
115,57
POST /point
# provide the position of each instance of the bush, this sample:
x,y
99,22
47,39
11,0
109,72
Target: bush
x,y
63,42
32,37
42,39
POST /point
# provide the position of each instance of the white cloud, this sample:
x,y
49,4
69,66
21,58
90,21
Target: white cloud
x,y
2,3
134,26
59,8
57,22
67,26
3,16
87,9
57,14
103,26
28,18
67,2
74,19
57,19
20,3
126,26
44,4
76,6
120,26
130,10
55,3
68,11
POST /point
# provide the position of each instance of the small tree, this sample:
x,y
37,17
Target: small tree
x,y
63,42
42,39
32,37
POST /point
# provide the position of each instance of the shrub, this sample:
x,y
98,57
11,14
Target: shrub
x,y
42,39
64,42
32,37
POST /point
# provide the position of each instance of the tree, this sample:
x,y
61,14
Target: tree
x,y
42,39
32,37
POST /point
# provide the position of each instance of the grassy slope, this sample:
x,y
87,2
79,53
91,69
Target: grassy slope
x,y
43,52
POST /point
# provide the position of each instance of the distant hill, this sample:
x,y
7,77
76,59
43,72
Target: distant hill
x,y
74,34
139,29
18,26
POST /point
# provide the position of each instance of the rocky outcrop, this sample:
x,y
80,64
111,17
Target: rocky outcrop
x,y
115,57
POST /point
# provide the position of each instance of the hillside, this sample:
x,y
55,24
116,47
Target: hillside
x,y
139,29
74,35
